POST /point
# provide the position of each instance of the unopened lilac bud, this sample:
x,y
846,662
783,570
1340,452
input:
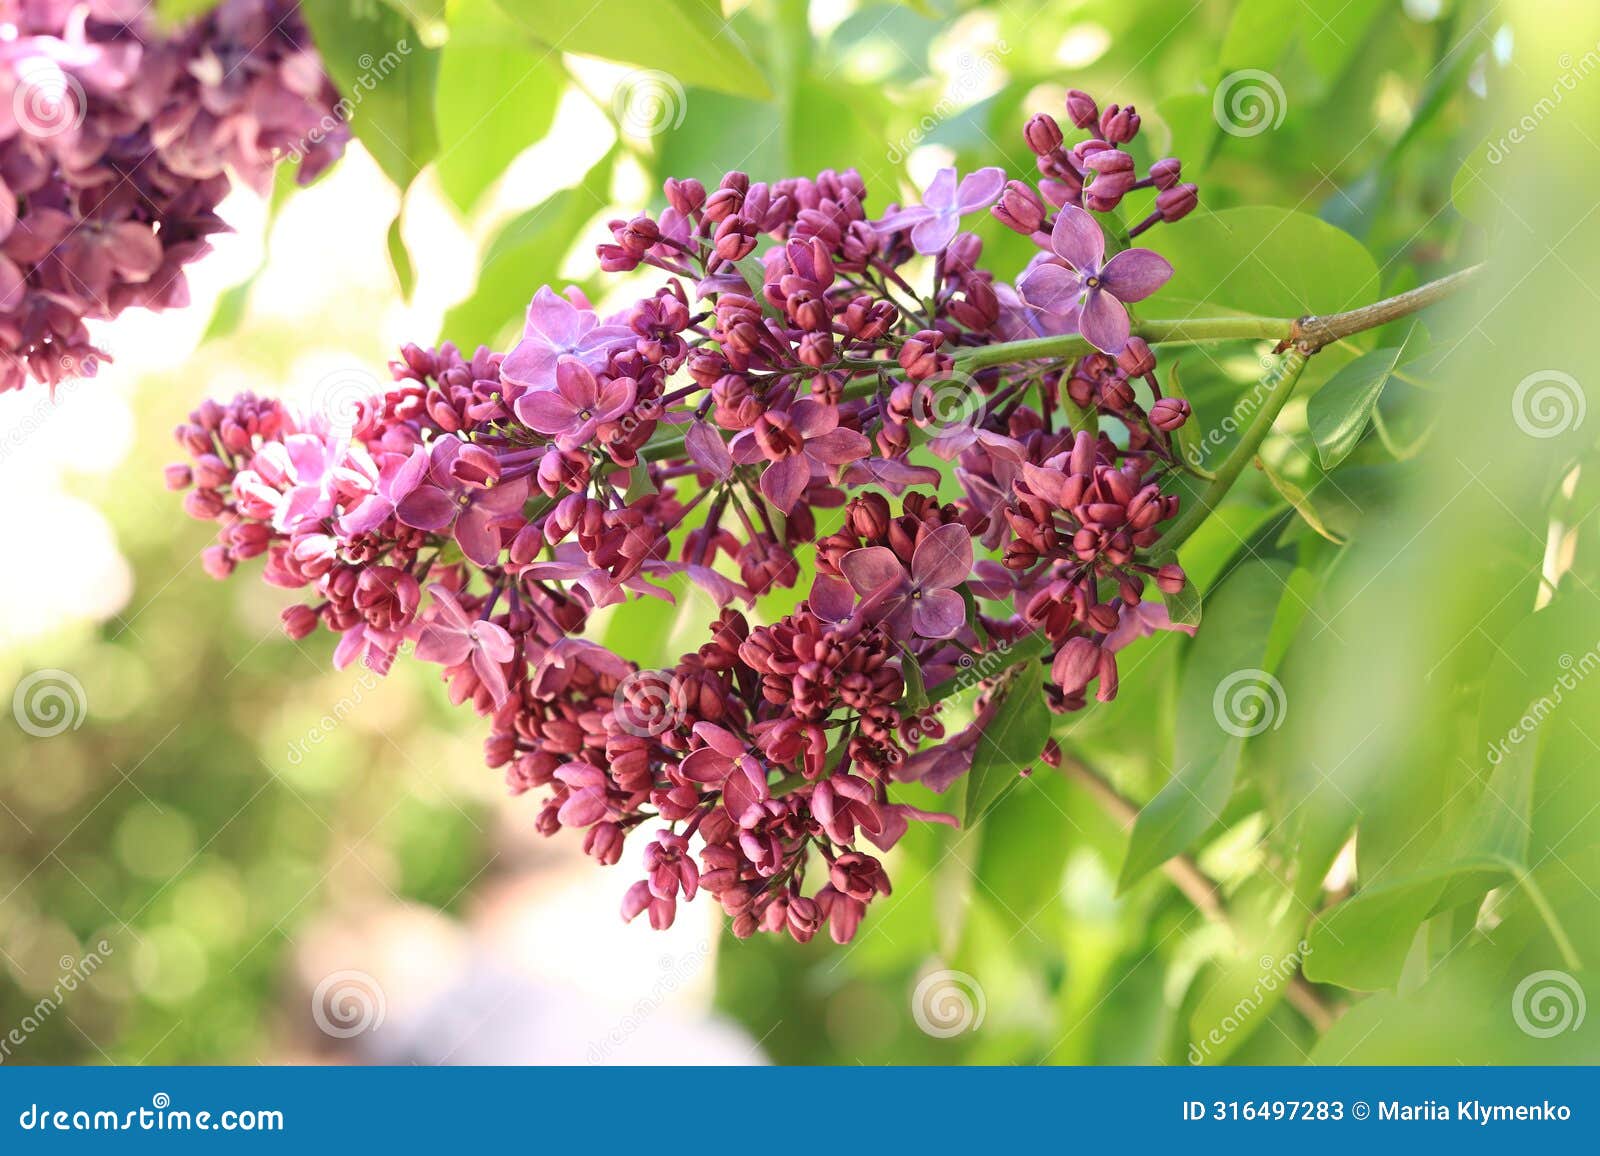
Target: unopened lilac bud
x,y
1019,209
1169,413
1075,664
735,239
687,196
1081,109
299,620
1177,202
1136,358
1171,578
1043,134
1119,125
1164,173
179,477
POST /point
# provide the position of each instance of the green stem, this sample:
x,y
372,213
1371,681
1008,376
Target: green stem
x,y
1279,383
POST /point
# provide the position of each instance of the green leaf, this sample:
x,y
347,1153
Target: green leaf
x,y
525,254
386,77
497,94
1025,839
686,39
1301,501
400,259
1338,412
1183,608
1261,260
1223,698
173,12
1011,742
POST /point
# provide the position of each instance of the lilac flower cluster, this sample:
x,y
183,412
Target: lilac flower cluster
x,y
116,143
711,433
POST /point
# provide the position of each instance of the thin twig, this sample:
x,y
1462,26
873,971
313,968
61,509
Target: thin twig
x,y
1197,887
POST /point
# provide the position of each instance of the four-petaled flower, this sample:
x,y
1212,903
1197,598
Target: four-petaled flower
x,y
727,763
452,636
578,405
557,328
926,597
1103,287
797,442
464,491
933,223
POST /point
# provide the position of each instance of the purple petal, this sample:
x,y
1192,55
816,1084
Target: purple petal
x,y
902,219
478,538
871,569
546,411
839,446
1051,288
784,481
576,383
813,418
938,614
705,766
935,234
493,640
941,193
707,450
491,675
442,645
980,189
426,508
1077,237
1104,322
615,397
831,598
943,558
1134,274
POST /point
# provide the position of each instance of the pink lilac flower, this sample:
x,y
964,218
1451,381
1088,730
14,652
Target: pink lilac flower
x,y
804,439
455,498
1099,289
925,597
934,223
558,327
452,637
577,406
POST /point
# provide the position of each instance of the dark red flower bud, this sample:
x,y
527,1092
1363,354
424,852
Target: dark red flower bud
x,y
1119,124
1081,109
1169,413
1164,173
1043,134
1019,209
1136,358
1170,579
1177,202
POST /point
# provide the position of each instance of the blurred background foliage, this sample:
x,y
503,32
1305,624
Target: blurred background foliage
x,y
238,821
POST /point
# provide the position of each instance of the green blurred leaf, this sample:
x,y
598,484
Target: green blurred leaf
x,y
525,254
1222,672
386,76
1012,741
1258,33
497,94
1338,412
400,260
686,39
1261,260
1300,499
